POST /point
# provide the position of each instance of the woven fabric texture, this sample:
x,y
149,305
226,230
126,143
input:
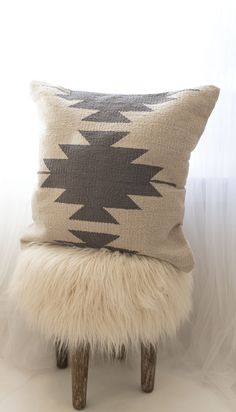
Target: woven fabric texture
x,y
113,169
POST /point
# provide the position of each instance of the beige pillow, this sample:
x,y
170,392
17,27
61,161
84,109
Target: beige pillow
x,y
113,169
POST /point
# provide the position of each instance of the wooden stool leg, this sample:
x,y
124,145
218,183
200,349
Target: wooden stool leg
x,y
61,356
148,367
79,369
121,355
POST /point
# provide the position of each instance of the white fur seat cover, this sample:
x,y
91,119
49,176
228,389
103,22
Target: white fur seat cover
x,y
101,297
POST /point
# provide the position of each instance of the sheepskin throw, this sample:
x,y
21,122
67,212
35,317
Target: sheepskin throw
x,y
101,297
113,169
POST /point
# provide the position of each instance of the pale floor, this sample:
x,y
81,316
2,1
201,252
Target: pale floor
x,y
112,387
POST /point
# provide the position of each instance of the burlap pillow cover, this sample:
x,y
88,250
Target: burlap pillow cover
x,y
113,169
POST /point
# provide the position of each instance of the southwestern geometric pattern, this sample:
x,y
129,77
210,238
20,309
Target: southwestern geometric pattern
x,y
100,189
113,169
109,190
109,106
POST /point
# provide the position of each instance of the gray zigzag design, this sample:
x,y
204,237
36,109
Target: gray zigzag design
x,y
93,186
133,178
110,107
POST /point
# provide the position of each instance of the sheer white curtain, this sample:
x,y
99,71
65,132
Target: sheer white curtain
x,y
129,46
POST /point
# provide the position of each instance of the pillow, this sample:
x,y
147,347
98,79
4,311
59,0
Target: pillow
x,y
113,169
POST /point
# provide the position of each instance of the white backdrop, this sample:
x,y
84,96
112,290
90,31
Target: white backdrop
x,y
129,47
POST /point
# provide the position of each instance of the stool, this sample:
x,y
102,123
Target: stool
x,y
87,300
